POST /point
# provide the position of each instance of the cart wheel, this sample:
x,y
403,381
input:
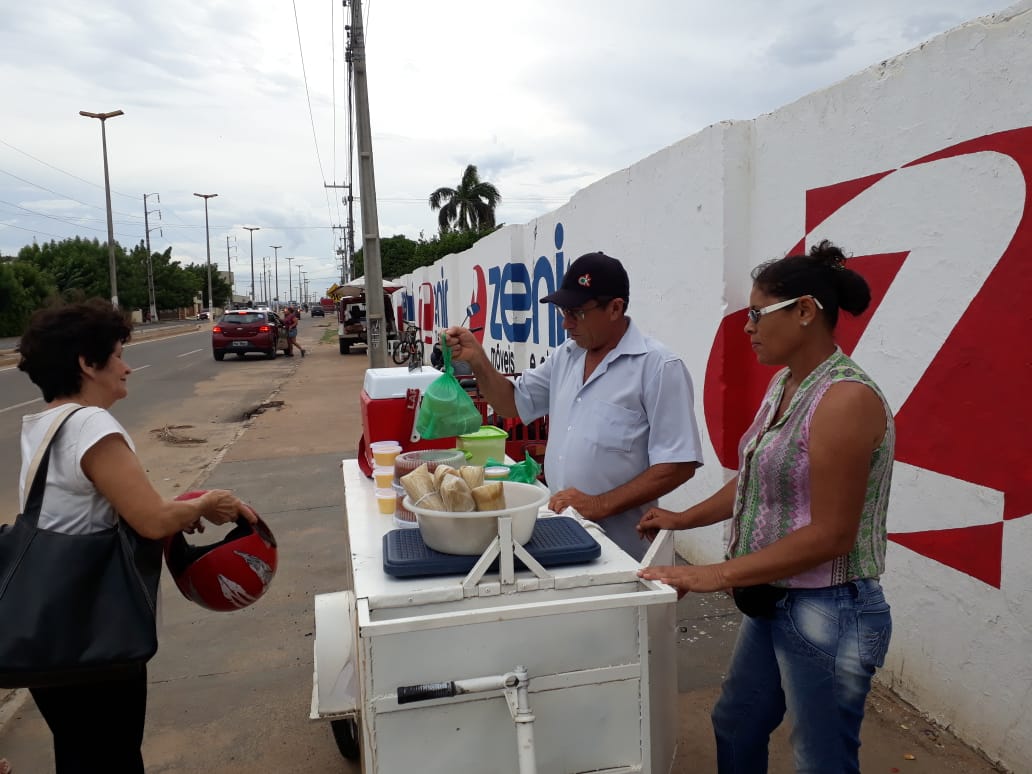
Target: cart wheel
x,y
345,734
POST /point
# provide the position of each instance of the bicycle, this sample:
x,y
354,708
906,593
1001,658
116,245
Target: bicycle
x,y
409,349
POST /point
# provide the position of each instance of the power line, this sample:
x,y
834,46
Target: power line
x,y
63,195
62,171
30,230
72,221
60,220
311,114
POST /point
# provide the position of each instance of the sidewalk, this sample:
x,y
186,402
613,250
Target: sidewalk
x,y
229,693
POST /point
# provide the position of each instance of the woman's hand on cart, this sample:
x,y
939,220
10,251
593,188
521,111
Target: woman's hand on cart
x,y
703,578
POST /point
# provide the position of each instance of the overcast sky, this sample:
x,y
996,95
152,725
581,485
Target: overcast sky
x,y
544,96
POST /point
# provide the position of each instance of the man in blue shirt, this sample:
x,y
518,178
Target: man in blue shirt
x,y
621,429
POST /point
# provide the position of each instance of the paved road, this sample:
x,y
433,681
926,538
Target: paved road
x,y
166,373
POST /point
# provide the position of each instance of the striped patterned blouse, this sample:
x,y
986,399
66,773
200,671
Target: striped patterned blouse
x,y
773,496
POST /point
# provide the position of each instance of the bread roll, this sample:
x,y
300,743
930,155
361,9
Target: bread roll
x,y
431,502
418,483
473,475
440,472
456,495
490,496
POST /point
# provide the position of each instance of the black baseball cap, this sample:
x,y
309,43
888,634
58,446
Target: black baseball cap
x,y
593,275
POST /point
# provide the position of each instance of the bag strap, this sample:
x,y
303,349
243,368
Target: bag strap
x,y
38,468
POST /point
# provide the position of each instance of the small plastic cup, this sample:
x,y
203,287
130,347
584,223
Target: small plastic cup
x,y
381,444
384,477
384,456
496,473
385,501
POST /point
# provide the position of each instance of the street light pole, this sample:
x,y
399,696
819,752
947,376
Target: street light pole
x,y
252,229
299,273
150,263
207,244
275,269
107,195
289,259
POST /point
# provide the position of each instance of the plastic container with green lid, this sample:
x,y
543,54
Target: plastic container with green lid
x,y
488,441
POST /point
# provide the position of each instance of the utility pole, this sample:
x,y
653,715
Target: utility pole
x,y
265,278
275,269
207,245
349,235
252,229
377,337
342,251
150,263
289,291
229,271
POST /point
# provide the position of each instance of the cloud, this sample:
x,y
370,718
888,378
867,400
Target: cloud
x,y
543,97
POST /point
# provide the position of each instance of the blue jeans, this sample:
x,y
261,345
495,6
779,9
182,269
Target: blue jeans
x,y
815,658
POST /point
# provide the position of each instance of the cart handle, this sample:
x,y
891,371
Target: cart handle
x,y
425,691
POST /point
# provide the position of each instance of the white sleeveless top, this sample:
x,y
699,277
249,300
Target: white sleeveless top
x,y
71,503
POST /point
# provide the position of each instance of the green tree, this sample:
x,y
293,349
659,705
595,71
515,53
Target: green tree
x,y
77,266
174,288
400,255
23,289
470,207
198,273
397,257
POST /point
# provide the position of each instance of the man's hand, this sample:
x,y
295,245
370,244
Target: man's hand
x,y
591,507
464,345
656,519
703,578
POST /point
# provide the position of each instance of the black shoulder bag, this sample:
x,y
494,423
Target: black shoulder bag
x,y
73,608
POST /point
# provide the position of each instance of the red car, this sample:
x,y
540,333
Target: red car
x,y
248,330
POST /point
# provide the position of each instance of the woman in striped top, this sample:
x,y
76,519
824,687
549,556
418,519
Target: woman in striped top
x,y
806,531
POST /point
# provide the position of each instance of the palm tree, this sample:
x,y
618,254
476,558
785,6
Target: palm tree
x,y
470,207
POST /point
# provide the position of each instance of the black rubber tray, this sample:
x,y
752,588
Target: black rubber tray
x,y
556,541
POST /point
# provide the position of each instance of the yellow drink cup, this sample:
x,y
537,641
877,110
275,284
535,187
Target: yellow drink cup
x,y
385,501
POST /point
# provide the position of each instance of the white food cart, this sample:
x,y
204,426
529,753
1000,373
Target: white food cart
x,y
564,670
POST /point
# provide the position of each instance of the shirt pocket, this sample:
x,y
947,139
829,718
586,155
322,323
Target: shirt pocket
x,y
612,427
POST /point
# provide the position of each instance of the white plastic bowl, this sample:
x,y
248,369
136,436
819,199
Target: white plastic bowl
x,y
470,533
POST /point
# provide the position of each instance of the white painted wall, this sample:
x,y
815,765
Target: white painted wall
x,y
691,221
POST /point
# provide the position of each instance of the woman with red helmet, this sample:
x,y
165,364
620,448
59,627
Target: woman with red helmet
x,y
73,353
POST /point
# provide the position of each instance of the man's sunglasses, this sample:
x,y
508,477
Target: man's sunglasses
x,y
579,314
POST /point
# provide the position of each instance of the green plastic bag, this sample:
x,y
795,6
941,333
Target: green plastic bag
x,y
525,472
447,410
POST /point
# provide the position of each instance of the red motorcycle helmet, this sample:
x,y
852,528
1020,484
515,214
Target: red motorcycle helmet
x,y
224,576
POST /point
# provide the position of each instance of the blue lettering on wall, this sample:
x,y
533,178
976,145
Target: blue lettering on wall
x,y
514,290
441,299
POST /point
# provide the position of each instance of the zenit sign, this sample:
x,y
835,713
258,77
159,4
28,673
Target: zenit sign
x,y
509,297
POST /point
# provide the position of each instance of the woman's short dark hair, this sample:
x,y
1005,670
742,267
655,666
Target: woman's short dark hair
x,y
821,273
58,335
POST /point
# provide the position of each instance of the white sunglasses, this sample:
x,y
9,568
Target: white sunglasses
x,y
756,314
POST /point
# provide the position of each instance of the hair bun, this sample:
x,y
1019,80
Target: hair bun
x,y
827,254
